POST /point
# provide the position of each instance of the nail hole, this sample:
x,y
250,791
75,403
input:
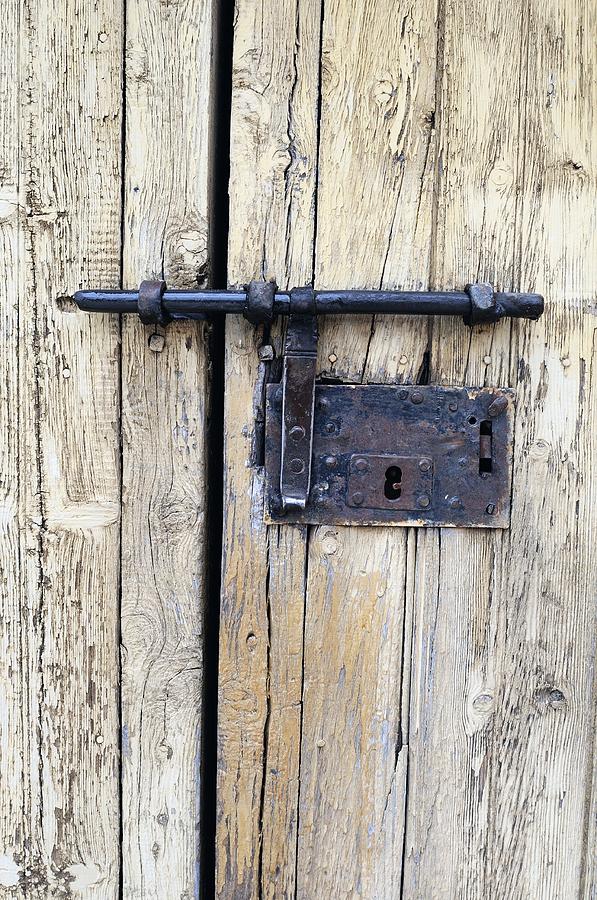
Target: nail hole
x,y
251,640
472,420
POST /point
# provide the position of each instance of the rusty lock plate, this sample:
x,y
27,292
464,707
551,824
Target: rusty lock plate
x,y
394,455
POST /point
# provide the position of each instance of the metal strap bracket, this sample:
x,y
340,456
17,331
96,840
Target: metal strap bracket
x,y
298,399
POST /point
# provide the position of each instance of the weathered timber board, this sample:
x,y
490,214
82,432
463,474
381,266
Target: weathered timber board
x,y
60,188
455,674
84,399
543,740
165,397
261,717
505,628
273,161
408,715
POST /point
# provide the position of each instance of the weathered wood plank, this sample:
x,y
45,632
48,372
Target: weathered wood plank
x,y
374,208
374,225
456,611
14,735
65,477
353,757
375,179
273,161
589,850
543,741
165,389
502,672
267,230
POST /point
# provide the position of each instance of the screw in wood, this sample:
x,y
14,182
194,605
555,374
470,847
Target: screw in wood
x,y
157,342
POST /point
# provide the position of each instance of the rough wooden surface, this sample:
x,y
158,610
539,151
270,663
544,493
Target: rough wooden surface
x,y
544,739
60,183
455,685
66,554
13,687
263,570
377,138
402,713
506,760
441,741
165,391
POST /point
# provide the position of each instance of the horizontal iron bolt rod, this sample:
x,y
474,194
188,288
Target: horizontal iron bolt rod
x,y
201,304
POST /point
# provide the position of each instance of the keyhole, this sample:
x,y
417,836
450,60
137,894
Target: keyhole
x,y
393,486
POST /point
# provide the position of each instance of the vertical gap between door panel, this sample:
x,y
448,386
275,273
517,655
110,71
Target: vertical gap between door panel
x,y
219,167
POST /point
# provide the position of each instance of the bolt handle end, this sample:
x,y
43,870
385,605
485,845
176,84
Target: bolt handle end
x,y
520,306
488,305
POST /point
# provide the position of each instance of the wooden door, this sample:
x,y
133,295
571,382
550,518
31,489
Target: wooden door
x,y
410,713
401,713
105,136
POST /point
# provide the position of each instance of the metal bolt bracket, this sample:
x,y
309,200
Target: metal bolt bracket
x,y
260,302
298,398
151,309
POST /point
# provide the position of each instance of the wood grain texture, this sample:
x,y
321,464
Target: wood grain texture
x,y
447,719
544,735
589,862
14,735
376,141
353,758
61,474
273,161
258,750
374,179
165,390
457,606
402,714
499,779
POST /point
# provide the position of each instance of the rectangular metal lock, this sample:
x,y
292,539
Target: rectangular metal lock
x,y
396,455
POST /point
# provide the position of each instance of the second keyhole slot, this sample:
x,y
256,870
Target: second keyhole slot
x,y
485,448
393,486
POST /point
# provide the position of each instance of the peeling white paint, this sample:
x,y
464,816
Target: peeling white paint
x,y
9,871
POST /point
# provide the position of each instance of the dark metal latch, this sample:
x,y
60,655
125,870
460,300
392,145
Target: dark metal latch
x,y
364,454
